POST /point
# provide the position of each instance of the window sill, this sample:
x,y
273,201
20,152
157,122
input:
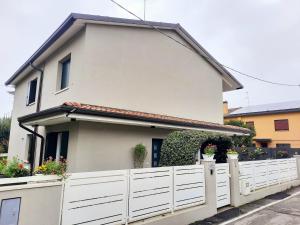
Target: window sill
x,y
62,90
30,104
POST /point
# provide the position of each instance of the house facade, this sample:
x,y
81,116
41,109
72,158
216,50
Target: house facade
x,y
276,125
100,85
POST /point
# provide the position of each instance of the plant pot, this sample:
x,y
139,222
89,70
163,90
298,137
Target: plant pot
x,y
208,157
232,156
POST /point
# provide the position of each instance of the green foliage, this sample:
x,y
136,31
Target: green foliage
x,y
15,168
181,147
232,152
256,153
282,154
210,149
4,133
239,141
51,167
139,155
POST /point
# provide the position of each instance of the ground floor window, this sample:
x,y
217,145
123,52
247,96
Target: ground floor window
x,y
56,145
156,147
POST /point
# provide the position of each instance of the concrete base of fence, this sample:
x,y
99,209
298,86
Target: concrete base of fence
x,y
182,217
261,193
40,203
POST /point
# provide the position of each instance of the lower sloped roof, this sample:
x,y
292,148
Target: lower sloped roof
x,y
95,110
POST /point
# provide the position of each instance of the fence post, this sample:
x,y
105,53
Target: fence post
x,y
298,165
234,181
210,184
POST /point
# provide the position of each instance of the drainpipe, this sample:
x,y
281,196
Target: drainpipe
x,y
34,132
34,147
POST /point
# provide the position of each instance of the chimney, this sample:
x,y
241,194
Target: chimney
x,y
225,107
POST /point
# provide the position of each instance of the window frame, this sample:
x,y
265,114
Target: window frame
x,y
29,91
281,120
252,124
61,63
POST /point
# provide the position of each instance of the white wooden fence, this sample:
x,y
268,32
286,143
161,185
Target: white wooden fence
x,y
264,173
118,197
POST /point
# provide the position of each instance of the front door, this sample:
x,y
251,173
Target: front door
x,y
156,146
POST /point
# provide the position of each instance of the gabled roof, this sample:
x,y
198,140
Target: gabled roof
x,y
102,111
75,22
274,108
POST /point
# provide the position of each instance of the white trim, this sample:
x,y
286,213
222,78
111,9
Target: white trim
x,y
58,146
62,90
144,124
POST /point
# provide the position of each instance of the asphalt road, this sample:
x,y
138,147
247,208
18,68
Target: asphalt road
x,y
286,212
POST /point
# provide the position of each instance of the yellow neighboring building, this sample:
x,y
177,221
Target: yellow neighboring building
x,y
276,125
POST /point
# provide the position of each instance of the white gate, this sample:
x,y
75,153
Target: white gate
x,y
95,198
222,184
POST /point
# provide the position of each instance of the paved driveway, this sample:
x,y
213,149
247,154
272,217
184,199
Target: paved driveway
x,y
283,213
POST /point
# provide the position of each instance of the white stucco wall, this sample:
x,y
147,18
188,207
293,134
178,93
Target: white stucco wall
x,y
99,146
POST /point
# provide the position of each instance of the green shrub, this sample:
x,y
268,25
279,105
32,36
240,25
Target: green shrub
x,y
139,155
181,147
246,140
282,154
15,168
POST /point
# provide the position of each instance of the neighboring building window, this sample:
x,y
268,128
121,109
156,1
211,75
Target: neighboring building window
x,y
250,124
64,73
281,125
31,91
283,145
56,145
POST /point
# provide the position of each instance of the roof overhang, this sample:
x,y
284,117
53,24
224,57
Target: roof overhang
x,y
66,114
76,22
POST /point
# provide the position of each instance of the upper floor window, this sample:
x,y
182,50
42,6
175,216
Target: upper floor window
x,y
31,95
281,124
283,145
64,73
250,124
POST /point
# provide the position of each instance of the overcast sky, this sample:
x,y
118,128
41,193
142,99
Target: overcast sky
x,y
259,37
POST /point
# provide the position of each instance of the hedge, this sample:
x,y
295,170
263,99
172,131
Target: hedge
x,y
181,147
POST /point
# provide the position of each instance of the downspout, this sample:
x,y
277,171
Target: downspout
x,y
34,132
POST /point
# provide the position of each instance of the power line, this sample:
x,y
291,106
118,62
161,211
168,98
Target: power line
x,y
188,47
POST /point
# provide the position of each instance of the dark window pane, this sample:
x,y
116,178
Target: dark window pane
x,y
281,125
64,144
51,145
32,91
65,72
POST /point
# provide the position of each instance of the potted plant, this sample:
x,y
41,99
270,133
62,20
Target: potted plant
x,y
232,154
52,167
209,152
15,168
139,155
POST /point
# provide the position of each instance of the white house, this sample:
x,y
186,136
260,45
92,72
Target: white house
x,y
100,85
